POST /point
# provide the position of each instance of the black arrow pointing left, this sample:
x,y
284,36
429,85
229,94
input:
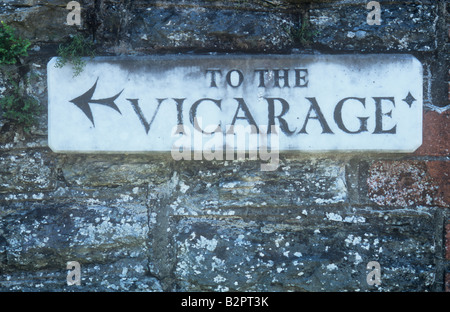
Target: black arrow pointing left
x,y
82,102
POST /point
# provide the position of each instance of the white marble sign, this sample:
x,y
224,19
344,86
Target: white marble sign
x,y
315,102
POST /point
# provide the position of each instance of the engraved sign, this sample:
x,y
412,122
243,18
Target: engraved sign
x,y
312,102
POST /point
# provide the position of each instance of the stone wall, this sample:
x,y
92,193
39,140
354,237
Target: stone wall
x,y
149,223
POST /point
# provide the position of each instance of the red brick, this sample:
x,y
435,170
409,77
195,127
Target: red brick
x,y
447,282
408,183
436,137
439,171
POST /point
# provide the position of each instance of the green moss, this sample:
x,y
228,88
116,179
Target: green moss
x,y
303,35
19,107
73,52
11,46
16,105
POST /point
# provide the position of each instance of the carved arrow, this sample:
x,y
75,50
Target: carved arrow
x,y
82,102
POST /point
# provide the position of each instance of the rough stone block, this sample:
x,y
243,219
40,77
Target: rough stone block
x,y
88,196
315,250
38,23
234,188
47,236
26,171
197,28
404,27
113,170
126,275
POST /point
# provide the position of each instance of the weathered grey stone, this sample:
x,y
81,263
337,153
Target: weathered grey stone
x,y
46,236
316,249
25,171
28,20
115,170
404,27
127,275
209,189
209,29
